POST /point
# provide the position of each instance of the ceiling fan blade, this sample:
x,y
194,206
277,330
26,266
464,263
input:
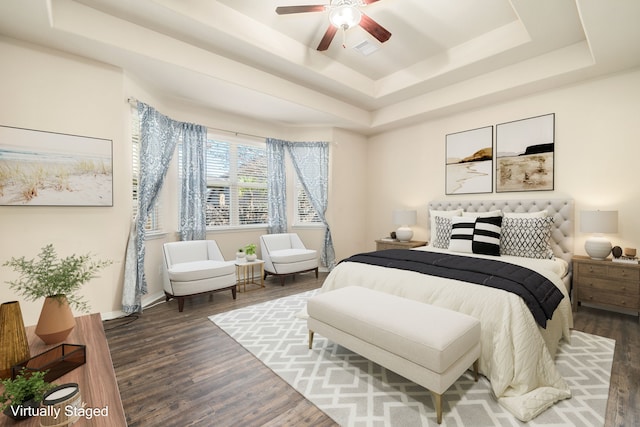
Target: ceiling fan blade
x,y
375,29
283,10
327,38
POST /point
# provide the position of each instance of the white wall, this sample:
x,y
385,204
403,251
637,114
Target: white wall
x,y
48,91
596,155
52,91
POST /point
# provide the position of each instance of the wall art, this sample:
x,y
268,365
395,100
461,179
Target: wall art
x,y
469,161
39,168
525,154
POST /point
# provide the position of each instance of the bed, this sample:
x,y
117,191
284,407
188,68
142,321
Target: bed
x,y
517,353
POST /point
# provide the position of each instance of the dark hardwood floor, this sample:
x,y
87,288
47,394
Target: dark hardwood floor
x,y
180,369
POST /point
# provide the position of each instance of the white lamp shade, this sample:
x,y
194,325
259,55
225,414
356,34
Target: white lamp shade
x,y
599,221
404,218
598,247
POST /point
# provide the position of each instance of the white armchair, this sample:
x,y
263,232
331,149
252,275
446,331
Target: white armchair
x,y
196,267
284,254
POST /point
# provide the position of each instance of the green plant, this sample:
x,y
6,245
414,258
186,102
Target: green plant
x,y
250,249
24,387
50,276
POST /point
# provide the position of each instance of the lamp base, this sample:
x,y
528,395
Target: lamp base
x,y
404,234
597,247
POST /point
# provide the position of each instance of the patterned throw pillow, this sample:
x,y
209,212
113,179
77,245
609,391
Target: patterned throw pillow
x,y
442,233
486,235
526,237
462,234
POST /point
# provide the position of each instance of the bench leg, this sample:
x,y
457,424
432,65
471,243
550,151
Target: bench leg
x,y
438,402
310,338
475,370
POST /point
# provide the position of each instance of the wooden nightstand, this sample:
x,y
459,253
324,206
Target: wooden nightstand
x,y
606,283
394,244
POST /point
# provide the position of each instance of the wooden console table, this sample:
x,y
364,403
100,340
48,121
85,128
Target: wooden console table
x,y
96,378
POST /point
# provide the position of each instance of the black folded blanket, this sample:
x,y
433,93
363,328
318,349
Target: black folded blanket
x,y
539,293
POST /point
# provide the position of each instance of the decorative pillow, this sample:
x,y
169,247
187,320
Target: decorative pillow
x,y
440,238
486,235
445,214
526,237
462,234
539,214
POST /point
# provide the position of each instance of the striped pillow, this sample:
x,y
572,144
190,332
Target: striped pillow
x,y
486,236
462,234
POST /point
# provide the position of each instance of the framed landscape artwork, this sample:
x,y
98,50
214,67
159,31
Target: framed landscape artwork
x,y
469,161
40,168
525,154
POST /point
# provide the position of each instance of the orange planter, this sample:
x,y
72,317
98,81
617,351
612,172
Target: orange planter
x,y
56,320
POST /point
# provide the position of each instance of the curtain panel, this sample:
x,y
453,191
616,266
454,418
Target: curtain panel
x,y
276,187
311,163
193,203
159,136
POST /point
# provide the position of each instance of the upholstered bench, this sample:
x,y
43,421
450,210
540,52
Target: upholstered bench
x,y
429,345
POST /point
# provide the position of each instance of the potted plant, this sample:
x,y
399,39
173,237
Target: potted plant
x,y
250,250
22,393
58,281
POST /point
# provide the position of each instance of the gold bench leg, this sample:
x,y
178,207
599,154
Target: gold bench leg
x,y
438,401
310,338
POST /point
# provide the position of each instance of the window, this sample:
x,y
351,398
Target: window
x,y
153,224
236,182
305,214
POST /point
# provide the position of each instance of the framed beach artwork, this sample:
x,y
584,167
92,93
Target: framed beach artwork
x,y
40,168
469,161
525,154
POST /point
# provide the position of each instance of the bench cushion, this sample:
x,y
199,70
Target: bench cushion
x,y
427,335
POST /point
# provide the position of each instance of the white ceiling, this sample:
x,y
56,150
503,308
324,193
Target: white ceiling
x,y
240,56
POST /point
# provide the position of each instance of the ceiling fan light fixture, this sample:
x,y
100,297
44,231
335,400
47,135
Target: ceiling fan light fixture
x,y
345,16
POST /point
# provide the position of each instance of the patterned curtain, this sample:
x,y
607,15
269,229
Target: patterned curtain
x,y
158,137
276,187
193,223
311,162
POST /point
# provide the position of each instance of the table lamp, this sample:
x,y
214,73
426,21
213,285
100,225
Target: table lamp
x,y
597,246
404,218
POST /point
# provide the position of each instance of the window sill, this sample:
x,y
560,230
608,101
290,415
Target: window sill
x,y
307,226
153,235
237,228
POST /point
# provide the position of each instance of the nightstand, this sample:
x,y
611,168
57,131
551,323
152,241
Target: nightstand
x,y
606,283
395,244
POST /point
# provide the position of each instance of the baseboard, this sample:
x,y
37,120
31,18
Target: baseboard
x,y
147,300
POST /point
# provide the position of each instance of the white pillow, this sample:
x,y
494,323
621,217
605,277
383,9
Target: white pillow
x,y
539,214
433,214
482,214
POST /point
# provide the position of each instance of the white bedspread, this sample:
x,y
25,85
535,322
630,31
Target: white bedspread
x,y
515,357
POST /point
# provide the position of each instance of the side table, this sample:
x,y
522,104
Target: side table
x,y
245,272
606,283
396,244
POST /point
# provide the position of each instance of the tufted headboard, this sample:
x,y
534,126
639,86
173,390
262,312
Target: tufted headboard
x,y
560,209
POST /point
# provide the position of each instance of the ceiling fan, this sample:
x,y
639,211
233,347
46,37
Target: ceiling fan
x,y
343,14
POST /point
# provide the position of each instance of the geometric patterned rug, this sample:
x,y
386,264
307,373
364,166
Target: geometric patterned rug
x,y
356,392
